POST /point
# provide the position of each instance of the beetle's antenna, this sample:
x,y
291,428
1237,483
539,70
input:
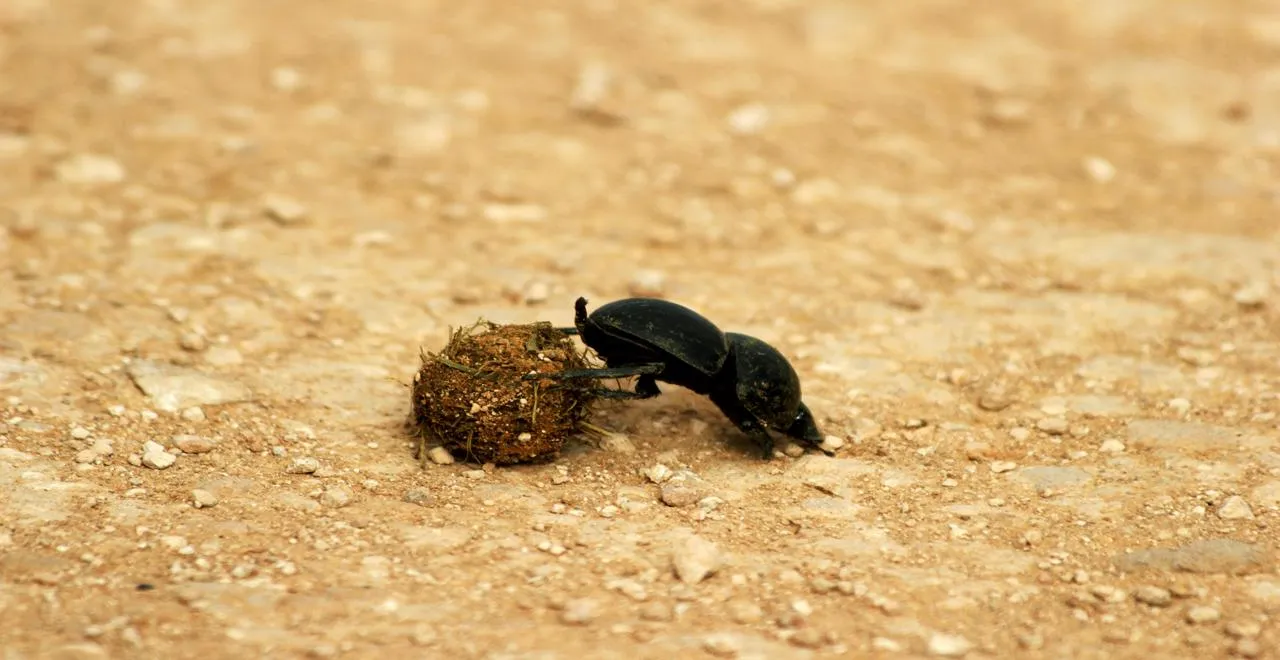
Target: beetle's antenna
x,y
580,311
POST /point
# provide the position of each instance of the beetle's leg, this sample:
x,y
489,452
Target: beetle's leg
x,y
607,372
567,331
610,393
759,435
647,387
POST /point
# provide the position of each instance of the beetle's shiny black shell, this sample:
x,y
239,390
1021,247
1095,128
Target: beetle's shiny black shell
x,y
767,385
668,328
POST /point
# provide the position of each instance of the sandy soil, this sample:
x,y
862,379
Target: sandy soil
x,y
1025,256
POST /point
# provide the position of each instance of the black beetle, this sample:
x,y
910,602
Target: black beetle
x,y
657,340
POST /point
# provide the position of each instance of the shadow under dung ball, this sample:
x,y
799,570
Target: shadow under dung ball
x,y
471,398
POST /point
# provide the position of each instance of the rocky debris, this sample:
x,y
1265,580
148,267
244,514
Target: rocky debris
x,y
155,457
336,496
1235,508
832,443
173,388
193,444
302,465
1052,425
440,456
203,499
1153,596
1209,556
694,559
682,489
1202,614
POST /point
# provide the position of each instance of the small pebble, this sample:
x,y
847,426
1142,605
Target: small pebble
x,y
193,444
885,644
694,559
1242,629
1253,294
721,645
1247,648
655,611
155,457
680,493
807,638
302,465
336,496
658,473
418,496
579,611
203,499
618,443
1052,425
1235,508
193,414
90,169
1201,614
1153,596
284,210
1111,446
440,456
832,443
1099,169
949,646
80,433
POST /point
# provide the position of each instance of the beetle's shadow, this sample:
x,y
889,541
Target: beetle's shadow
x,y
677,408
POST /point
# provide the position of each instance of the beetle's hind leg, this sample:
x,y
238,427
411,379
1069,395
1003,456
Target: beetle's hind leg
x,y
649,370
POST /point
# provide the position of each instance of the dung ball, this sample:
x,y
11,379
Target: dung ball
x,y
472,398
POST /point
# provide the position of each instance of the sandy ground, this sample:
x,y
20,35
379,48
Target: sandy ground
x,y
1025,256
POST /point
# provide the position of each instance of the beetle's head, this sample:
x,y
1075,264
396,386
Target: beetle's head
x,y
805,429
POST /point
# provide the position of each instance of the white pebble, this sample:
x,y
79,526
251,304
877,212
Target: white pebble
x,y
832,443
694,559
1253,294
193,414
158,460
658,473
1052,425
303,465
1202,614
80,433
750,118
949,646
440,456
1099,169
1235,508
203,499
1111,446
90,169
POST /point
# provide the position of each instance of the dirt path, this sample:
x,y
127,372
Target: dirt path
x,y
1025,257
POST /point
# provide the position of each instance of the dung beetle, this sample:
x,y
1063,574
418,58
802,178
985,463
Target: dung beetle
x,y
658,340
